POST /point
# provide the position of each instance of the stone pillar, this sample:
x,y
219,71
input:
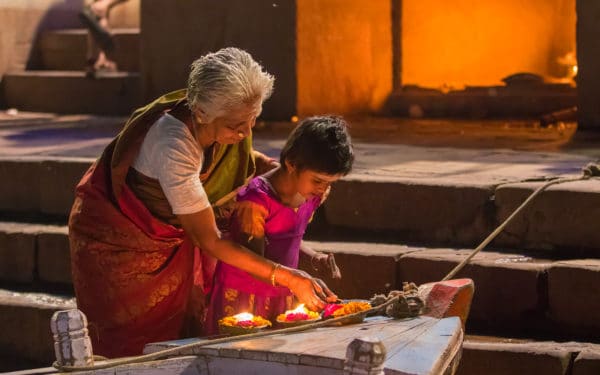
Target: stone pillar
x,y
588,62
327,56
72,344
365,355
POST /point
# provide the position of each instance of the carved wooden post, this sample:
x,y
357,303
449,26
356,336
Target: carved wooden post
x,y
365,355
72,344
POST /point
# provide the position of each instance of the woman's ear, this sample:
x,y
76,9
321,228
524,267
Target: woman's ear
x,y
200,115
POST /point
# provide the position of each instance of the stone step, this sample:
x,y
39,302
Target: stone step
x,y
66,49
25,325
34,254
40,185
388,209
515,293
115,93
505,356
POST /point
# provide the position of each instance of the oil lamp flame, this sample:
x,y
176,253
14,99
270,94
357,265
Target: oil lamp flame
x,y
298,310
242,317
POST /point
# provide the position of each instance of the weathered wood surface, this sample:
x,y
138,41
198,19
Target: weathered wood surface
x,y
422,345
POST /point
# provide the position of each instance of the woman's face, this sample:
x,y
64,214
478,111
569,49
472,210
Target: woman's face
x,y
235,125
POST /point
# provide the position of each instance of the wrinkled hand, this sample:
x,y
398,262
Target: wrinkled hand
x,y
310,291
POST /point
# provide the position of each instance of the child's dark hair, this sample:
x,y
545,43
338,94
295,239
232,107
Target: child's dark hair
x,y
320,143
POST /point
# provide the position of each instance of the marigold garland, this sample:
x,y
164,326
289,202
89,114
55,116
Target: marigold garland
x,y
351,308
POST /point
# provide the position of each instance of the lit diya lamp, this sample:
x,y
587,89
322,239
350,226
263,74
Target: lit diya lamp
x,y
299,315
242,323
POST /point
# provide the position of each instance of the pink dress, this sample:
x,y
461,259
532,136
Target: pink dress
x,y
260,213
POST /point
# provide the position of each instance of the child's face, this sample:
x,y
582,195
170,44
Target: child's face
x,y
310,183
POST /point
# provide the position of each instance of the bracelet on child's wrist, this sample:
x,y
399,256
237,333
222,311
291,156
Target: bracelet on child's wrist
x,y
272,278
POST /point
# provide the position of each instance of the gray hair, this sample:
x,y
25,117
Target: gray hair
x,y
226,79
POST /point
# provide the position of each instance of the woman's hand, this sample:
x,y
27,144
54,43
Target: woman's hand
x,y
310,291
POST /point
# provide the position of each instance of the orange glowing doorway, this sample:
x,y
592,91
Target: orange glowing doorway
x,y
452,44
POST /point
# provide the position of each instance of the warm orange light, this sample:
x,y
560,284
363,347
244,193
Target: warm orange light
x,y
452,44
241,317
299,309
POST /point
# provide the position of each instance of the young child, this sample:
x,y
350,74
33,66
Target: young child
x,y
272,213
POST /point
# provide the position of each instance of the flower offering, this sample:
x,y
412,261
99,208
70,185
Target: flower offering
x,y
299,314
337,310
243,323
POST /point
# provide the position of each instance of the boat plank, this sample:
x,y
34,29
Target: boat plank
x,y
421,345
429,352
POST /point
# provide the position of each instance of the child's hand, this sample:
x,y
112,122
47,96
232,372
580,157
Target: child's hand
x,y
310,291
326,262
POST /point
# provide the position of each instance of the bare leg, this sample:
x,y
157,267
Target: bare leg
x,y
97,58
103,62
103,7
92,54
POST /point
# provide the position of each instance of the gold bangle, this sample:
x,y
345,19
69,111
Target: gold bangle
x,y
275,267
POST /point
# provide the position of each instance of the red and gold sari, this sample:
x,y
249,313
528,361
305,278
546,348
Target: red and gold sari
x,y
137,277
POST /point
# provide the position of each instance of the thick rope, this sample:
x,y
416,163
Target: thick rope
x,y
589,171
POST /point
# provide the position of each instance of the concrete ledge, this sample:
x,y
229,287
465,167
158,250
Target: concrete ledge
x,y
71,92
433,213
32,252
54,257
367,268
587,362
507,286
25,324
33,185
559,217
573,293
17,255
508,358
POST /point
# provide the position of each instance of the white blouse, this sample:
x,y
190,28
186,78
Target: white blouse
x,y
170,154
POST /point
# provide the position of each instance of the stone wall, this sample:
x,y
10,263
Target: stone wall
x,y
588,58
326,55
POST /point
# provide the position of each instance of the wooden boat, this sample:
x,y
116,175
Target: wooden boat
x,y
430,343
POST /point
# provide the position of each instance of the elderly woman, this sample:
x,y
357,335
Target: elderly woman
x,y
143,229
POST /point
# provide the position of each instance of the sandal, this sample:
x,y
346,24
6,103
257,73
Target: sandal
x,y
100,34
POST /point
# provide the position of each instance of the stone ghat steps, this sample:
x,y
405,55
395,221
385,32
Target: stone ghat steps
x,y
65,91
66,49
504,356
517,293
458,213
24,320
58,83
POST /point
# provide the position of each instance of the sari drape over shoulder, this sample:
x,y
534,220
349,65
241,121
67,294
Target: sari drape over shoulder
x,y
134,273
